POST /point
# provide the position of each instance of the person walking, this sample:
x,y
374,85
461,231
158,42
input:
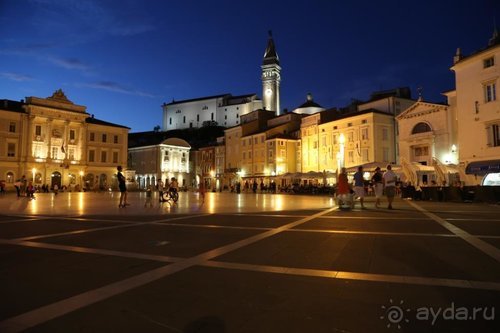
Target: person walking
x,y
24,184
202,191
17,185
30,190
122,187
359,186
343,189
389,178
378,186
160,190
149,200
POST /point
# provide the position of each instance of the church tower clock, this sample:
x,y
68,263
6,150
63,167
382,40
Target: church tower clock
x,y
271,78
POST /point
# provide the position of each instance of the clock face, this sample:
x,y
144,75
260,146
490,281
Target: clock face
x,y
269,92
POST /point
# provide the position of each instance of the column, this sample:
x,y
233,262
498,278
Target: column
x,y
66,140
29,144
48,140
82,143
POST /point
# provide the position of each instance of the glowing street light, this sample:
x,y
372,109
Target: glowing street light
x,y
279,160
81,180
341,152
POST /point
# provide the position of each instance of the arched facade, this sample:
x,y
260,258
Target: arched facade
x,y
54,136
421,127
427,142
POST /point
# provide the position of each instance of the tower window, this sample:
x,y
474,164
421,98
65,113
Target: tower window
x,y
490,94
212,116
489,62
197,117
11,149
495,135
184,119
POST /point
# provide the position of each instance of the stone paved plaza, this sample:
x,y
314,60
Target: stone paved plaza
x,y
76,262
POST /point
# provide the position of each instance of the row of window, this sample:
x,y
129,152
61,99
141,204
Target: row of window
x,y
262,140
198,118
363,154
11,152
350,137
282,153
104,137
104,157
72,134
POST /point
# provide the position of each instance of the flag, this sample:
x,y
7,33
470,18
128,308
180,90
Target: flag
x,y
62,148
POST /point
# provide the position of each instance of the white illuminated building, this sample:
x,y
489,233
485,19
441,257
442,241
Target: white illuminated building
x,y
478,113
225,110
153,161
427,142
54,141
309,107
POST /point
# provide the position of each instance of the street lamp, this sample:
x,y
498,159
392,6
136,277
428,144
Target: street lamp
x,y
212,178
341,152
81,180
278,162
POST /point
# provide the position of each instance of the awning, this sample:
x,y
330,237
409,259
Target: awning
x,y
483,167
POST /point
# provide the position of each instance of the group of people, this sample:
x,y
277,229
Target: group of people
x,y
25,188
381,182
172,188
253,186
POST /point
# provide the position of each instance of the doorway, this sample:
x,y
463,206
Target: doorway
x,y
55,179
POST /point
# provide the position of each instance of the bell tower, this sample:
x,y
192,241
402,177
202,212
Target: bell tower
x,y
271,78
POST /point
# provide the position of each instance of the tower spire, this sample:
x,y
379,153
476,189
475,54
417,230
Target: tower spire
x,y
270,55
271,77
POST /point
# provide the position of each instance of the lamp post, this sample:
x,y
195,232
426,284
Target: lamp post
x,y
81,180
212,178
341,152
278,163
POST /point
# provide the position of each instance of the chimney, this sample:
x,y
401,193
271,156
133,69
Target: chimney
x,y
458,56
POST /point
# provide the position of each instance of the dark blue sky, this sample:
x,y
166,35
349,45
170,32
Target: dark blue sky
x,y
124,58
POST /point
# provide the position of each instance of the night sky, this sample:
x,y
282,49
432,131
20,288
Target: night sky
x,y
124,58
